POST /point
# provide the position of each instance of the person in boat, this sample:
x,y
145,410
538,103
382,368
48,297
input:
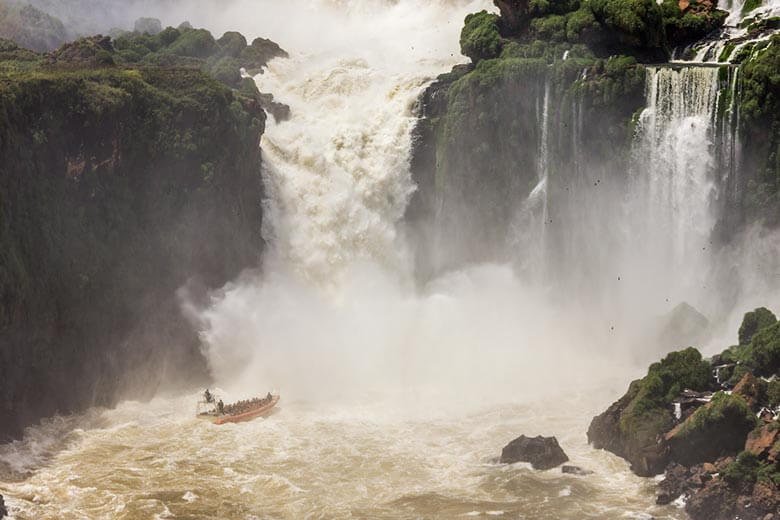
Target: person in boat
x,y
221,407
268,396
208,397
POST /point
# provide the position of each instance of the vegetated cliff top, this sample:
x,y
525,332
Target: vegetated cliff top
x,y
600,28
184,47
172,48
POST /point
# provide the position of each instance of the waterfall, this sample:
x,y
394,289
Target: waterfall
x,y
544,162
337,174
675,161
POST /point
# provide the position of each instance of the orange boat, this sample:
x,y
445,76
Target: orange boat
x,y
237,412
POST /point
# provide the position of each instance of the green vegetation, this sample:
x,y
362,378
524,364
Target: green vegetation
x,y
750,5
117,185
749,468
725,54
639,23
724,411
773,393
603,27
743,469
646,416
480,38
694,23
753,322
765,351
196,48
761,353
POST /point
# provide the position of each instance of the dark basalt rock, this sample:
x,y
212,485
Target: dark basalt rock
x,y
680,480
721,500
542,452
576,470
647,453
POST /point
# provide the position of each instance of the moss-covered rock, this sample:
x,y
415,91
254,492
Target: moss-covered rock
x,y
480,38
117,186
692,22
633,24
715,430
633,427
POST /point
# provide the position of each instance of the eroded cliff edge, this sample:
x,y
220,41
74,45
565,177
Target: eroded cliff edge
x,y
120,182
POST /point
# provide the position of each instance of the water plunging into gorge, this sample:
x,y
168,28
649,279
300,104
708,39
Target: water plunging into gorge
x,y
398,392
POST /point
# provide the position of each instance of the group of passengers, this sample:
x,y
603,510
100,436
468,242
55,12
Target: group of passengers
x,y
239,407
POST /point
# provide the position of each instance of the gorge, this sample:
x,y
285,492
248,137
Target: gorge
x,y
424,268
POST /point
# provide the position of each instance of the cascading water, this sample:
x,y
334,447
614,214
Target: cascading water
x,y
675,163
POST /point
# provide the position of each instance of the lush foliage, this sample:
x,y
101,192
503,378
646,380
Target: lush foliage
x,y
480,38
744,468
725,410
694,23
197,48
604,27
753,322
638,23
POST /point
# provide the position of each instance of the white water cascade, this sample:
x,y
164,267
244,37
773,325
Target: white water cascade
x,y
675,173
338,175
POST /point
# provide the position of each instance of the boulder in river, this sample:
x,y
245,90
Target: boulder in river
x,y
541,452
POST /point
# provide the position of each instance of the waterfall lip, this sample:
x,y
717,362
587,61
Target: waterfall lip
x,y
681,64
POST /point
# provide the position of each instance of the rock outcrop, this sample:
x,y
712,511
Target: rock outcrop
x,y
715,430
635,425
638,443
724,456
3,510
541,452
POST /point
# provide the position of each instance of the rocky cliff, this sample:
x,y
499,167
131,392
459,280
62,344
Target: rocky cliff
x,y
712,426
119,184
549,106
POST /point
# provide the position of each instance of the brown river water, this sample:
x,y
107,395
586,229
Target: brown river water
x,y
376,460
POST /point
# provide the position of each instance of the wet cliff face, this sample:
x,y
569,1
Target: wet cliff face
x,y
508,149
545,153
117,187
